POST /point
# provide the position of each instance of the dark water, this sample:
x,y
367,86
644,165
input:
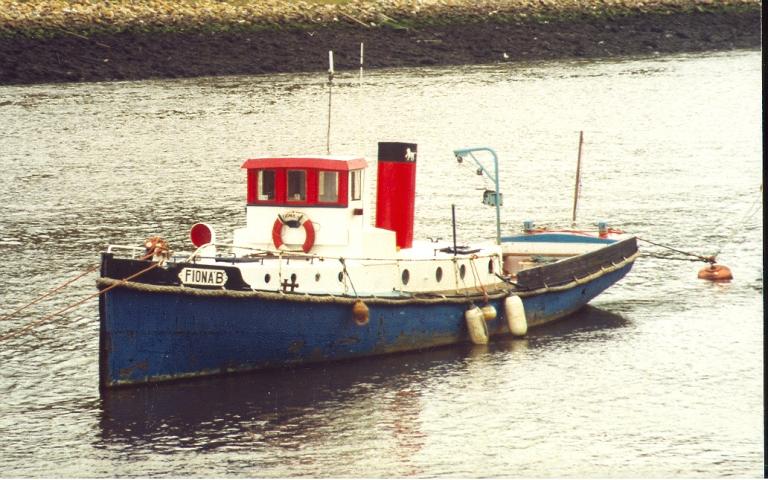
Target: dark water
x,y
662,376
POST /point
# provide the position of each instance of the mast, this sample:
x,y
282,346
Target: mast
x,y
330,88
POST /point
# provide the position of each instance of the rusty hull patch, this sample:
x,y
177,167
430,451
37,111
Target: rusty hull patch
x,y
126,372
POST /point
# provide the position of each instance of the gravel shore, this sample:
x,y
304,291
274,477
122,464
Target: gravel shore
x,y
58,41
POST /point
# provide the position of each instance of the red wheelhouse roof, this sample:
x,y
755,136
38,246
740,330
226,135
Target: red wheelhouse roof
x,y
338,164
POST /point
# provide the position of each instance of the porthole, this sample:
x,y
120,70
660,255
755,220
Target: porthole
x,y
317,277
267,278
341,276
439,274
490,266
406,276
462,271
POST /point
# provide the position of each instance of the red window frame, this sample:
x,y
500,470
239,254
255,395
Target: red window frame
x,y
312,188
253,186
342,198
307,183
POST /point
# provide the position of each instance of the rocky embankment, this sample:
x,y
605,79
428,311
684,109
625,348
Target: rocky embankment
x,y
89,40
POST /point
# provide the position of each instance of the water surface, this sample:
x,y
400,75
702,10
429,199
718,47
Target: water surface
x,y
661,376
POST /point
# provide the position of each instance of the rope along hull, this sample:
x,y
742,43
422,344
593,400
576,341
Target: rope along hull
x,y
152,333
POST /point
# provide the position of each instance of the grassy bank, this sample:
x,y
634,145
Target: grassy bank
x,y
50,18
88,40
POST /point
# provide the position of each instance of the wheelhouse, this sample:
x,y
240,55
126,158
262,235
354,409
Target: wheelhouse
x,y
304,181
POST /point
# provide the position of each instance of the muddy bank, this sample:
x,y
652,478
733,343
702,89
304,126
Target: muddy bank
x,y
72,56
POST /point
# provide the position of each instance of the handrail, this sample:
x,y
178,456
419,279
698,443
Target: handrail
x,y
137,251
309,256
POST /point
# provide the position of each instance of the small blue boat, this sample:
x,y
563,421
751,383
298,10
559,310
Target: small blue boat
x,y
313,277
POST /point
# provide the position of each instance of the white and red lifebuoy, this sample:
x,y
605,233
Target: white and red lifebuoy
x,y
293,220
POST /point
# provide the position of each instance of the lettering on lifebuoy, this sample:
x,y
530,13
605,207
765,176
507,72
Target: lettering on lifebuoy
x,y
293,220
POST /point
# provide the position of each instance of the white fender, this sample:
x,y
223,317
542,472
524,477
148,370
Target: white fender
x,y
489,312
515,313
478,330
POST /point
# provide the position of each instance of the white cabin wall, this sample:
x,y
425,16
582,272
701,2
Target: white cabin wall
x,y
338,231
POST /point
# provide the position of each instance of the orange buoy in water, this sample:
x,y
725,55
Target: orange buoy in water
x,y
715,273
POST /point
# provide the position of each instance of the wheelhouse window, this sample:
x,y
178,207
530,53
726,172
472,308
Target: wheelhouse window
x,y
266,185
303,182
328,187
356,184
297,186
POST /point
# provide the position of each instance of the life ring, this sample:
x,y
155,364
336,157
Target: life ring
x,y
293,220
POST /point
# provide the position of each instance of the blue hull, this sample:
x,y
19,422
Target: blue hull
x,y
151,336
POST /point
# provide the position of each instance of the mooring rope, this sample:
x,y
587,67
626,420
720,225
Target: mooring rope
x,y
668,257
476,276
344,269
751,211
118,283
47,318
710,259
90,269
457,276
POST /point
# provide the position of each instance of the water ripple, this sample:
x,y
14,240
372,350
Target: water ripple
x,y
662,376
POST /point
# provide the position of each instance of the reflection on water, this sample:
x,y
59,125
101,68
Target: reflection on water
x,y
276,408
662,378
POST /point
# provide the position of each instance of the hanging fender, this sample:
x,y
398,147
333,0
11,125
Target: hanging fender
x,y
293,220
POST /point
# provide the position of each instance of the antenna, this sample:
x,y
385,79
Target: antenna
x,y
359,96
578,179
361,61
330,96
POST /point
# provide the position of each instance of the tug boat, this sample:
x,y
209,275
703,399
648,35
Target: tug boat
x,y
311,278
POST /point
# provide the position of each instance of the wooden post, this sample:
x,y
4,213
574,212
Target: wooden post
x,y
578,179
453,224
